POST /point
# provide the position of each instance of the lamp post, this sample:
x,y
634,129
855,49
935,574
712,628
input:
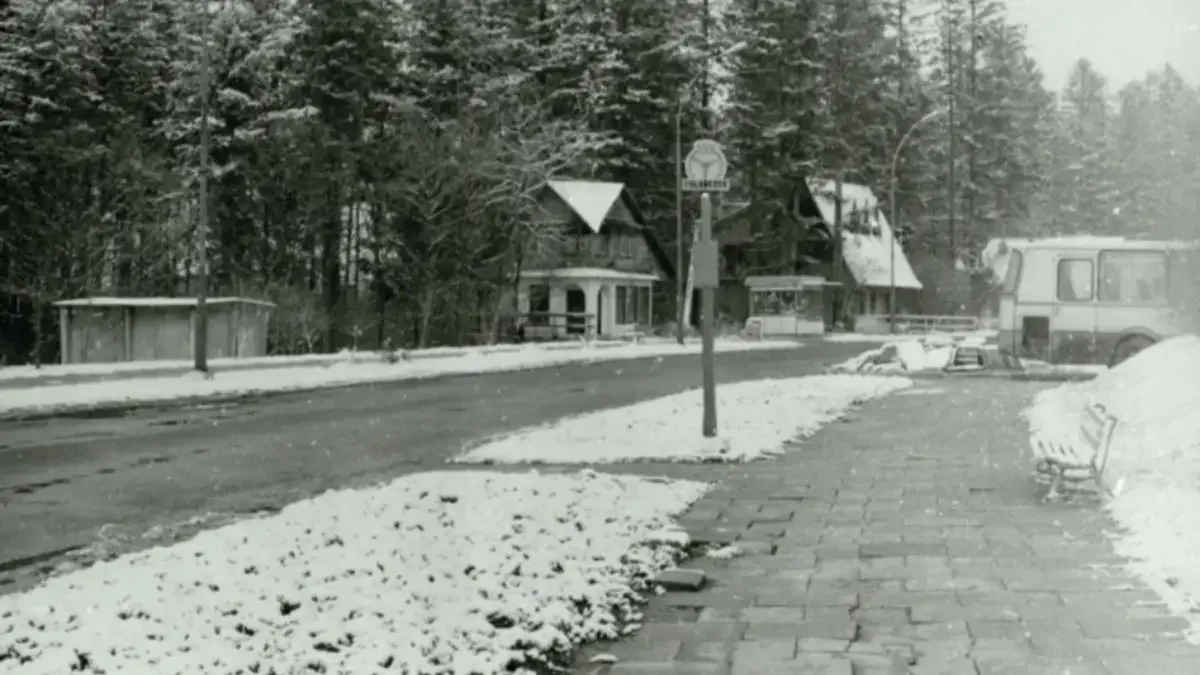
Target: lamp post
x,y
200,339
892,215
679,261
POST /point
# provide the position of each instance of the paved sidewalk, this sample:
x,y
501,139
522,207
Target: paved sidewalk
x,y
908,539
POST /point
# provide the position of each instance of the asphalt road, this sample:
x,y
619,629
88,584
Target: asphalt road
x,y
65,480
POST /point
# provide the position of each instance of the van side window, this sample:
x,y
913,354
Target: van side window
x,y
1075,280
1133,277
1012,273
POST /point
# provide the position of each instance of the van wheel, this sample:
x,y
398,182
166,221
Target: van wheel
x,y
1127,348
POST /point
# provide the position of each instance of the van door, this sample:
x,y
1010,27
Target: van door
x,y
1073,315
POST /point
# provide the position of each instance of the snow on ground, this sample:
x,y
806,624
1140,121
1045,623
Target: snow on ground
x,y
18,375
755,419
139,390
1154,461
437,573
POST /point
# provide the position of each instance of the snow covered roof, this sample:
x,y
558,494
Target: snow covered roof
x,y
867,239
156,302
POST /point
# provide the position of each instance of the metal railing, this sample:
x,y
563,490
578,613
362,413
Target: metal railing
x,y
916,323
558,325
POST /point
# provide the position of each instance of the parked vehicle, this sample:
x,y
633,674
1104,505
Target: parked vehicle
x,y
1095,300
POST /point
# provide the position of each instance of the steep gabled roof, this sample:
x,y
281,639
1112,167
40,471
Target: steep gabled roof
x,y
593,201
867,238
597,202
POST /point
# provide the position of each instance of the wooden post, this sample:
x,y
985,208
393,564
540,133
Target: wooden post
x,y
128,333
64,335
707,309
839,289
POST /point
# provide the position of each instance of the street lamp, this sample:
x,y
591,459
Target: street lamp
x,y
892,216
679,262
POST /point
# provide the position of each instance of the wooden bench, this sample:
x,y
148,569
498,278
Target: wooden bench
x,y
1078,457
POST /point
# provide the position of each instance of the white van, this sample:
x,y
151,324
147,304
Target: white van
x,y
1094,300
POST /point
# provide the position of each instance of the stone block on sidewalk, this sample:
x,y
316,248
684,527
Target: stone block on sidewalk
x,y
754,547
681,579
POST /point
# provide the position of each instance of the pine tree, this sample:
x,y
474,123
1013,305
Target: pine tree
x,y
1083,187
1012,150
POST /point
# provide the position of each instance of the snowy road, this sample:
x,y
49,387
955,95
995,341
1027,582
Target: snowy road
x,y
62,480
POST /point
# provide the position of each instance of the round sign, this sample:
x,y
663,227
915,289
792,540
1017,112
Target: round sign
x,y
706,162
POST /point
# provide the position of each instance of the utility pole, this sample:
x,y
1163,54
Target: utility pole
x,y
951,43
704,92
969,231
680,271
200,339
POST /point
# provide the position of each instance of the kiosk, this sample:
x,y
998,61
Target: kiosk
x,y
783,306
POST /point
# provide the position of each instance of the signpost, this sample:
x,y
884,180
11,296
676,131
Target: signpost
x,y
705,168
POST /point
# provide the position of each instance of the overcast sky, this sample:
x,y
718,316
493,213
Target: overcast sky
x,y
1123,38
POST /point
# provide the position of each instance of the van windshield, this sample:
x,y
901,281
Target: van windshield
x,y
1012,272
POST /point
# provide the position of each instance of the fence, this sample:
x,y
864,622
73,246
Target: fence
x,y
915,323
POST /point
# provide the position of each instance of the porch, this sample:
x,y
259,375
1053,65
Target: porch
x,y
584,302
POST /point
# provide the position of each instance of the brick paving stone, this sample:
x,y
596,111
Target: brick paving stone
x,y
706,651
905,536
709,631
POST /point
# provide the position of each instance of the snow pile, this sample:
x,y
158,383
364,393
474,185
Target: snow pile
x,y
438,573
247,382
909,356
1154,461
755,419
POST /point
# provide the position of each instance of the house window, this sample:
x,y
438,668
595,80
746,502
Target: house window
x,y
1075,280
1133,277
539,299
633,305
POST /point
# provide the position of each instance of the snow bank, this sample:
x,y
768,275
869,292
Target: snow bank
x,y
85,395
58,371
437,573
1154,463
755,419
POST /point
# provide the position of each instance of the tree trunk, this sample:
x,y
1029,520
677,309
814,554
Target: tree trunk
x,y
426,315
